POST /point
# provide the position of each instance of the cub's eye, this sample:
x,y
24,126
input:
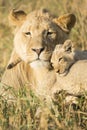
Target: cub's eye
x,y
27,33
60,59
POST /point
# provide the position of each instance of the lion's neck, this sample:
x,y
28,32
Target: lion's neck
x,y
40,74
40,69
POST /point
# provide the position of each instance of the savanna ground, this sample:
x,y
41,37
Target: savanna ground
x,y
25,112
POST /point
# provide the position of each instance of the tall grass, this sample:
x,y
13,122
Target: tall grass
x,y
27,111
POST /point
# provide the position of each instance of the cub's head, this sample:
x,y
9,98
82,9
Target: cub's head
x,y
63,57
37,35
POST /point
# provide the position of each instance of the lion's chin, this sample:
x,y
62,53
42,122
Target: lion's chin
x,y
40,63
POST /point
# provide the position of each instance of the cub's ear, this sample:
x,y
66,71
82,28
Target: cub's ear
x,y
17,17
68,46
14,60
66,22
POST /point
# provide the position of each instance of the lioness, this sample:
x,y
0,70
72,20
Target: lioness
x,y
70,69
36,36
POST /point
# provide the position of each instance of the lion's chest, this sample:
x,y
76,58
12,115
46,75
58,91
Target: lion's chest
x,y
42,79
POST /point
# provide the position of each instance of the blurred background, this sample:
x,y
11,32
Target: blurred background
x,y
56,7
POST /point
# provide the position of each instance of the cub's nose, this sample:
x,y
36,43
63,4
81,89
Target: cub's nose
x,y
38,51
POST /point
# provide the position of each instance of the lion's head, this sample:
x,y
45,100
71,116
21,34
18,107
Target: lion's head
x,y
63,57
37,34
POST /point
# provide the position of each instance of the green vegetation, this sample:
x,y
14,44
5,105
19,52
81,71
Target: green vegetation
x,y
27,111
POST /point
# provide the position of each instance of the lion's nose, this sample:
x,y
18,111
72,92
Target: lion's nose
x,y
38,51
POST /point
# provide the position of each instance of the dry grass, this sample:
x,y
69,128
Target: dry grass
x,y
25,113
28,112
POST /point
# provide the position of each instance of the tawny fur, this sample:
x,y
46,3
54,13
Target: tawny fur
x,y
35,39
70,66
65,55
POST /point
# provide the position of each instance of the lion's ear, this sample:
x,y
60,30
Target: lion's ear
x,y
66,22
14,60
17,17
68,45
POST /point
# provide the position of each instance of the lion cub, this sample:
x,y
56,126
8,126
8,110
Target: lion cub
x,y
70,66
64,56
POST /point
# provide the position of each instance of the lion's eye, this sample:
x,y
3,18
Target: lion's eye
x,y
28,33
49,33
